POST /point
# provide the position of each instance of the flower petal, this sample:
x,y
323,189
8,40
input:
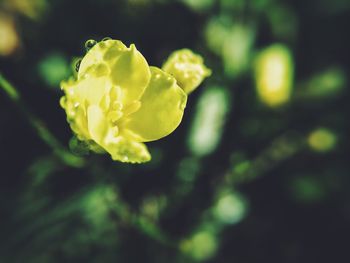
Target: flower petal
x,y
125,150
131,72
97,124
92,90
124,67
162,108
118,147
105,52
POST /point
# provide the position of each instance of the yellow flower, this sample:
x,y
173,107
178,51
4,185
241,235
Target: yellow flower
x,y
118,102
188,69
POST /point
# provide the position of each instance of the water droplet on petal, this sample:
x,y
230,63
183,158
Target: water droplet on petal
x,y
106,38
183,105
63,102
77,66
89,44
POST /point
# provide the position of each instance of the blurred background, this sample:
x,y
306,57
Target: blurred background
x,y
258,170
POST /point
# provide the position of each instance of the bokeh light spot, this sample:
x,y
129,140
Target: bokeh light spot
x,y
54,68
230,208
322,140
274,69
201,246
207,127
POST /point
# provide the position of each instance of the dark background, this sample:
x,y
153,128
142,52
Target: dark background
x,y
295,203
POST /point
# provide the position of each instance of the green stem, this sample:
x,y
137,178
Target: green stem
x,y
142,223
40,128
9,89
280,150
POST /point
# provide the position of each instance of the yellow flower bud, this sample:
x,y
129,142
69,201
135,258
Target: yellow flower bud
x,y
187,68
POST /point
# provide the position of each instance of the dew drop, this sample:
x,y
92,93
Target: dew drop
x,y
63,102
89,44
183,105
106,38
77,65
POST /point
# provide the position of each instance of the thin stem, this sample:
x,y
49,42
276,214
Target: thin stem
x,y
42,131
280,150
142,223
9,89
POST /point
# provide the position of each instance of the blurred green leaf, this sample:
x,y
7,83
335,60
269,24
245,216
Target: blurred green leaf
x,y
209,120
53,69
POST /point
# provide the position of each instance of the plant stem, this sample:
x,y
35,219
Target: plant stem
x,y
280,150
39,127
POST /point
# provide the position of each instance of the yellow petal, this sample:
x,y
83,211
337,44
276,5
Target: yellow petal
x,y
162,108
105,52
97,124
106,136
124,67
79,124
125,150
92,90
131,72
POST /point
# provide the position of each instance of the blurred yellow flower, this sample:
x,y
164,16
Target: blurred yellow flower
x,y
9,39
118,101
274,73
